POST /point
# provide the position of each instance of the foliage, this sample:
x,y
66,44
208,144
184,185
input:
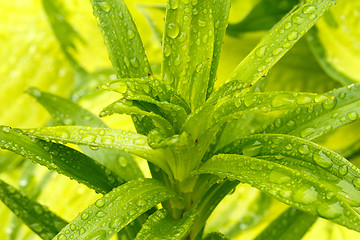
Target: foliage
x,y
203,134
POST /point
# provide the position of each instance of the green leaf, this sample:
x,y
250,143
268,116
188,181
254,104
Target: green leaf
x,y
235,106
276,43
63,30
336,43
121,37
315,121
37,217
285,162
220,10
292,224
115,210
66,112
106,138
320,54
188,46
216,236
125,106
264,15
61,159
161,225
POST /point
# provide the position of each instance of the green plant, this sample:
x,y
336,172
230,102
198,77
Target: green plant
x,y
200,142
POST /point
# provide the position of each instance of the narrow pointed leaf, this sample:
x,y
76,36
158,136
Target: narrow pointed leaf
x,y
121,37
291,185
277,42
221,10
125,106
234,107
103,137
292,224
115,210
66,112
65,33
189,31
61,159
161,225
36,216
313,122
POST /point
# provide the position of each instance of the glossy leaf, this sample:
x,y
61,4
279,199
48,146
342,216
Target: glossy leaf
x,y
61,159
66,112
315,121
37,217
103,137
235,106
124,45
220,11
192,31
276,43
125,106
292,224
161,225
115,210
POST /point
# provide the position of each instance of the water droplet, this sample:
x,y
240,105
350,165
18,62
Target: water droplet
x,y
131,34
88,137
352,116
285,193
297,19
288,25
278,176
105,6
84,216
334,115
100,214
343,170
174,4
173,30
293,36
278,122
329,104
252,149
100,203
6,129
116,223
290,123
277,51
356,182
342,95
98,235
282,100
330,211
303,149
260,51
322,160
249,100
309,9
167,51
303,99
72,227
307,131
61,237
305,195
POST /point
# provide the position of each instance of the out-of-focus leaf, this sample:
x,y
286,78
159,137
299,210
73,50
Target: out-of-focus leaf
x,y
61,159
161,225
115,210
124,45
335,42
263,16
37,217
292,224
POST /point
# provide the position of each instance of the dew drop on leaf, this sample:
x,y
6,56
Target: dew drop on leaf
x,y
305,195
105,6
303,149
330,211
84,216
278,176
173,30
352,116
322,160
252,149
